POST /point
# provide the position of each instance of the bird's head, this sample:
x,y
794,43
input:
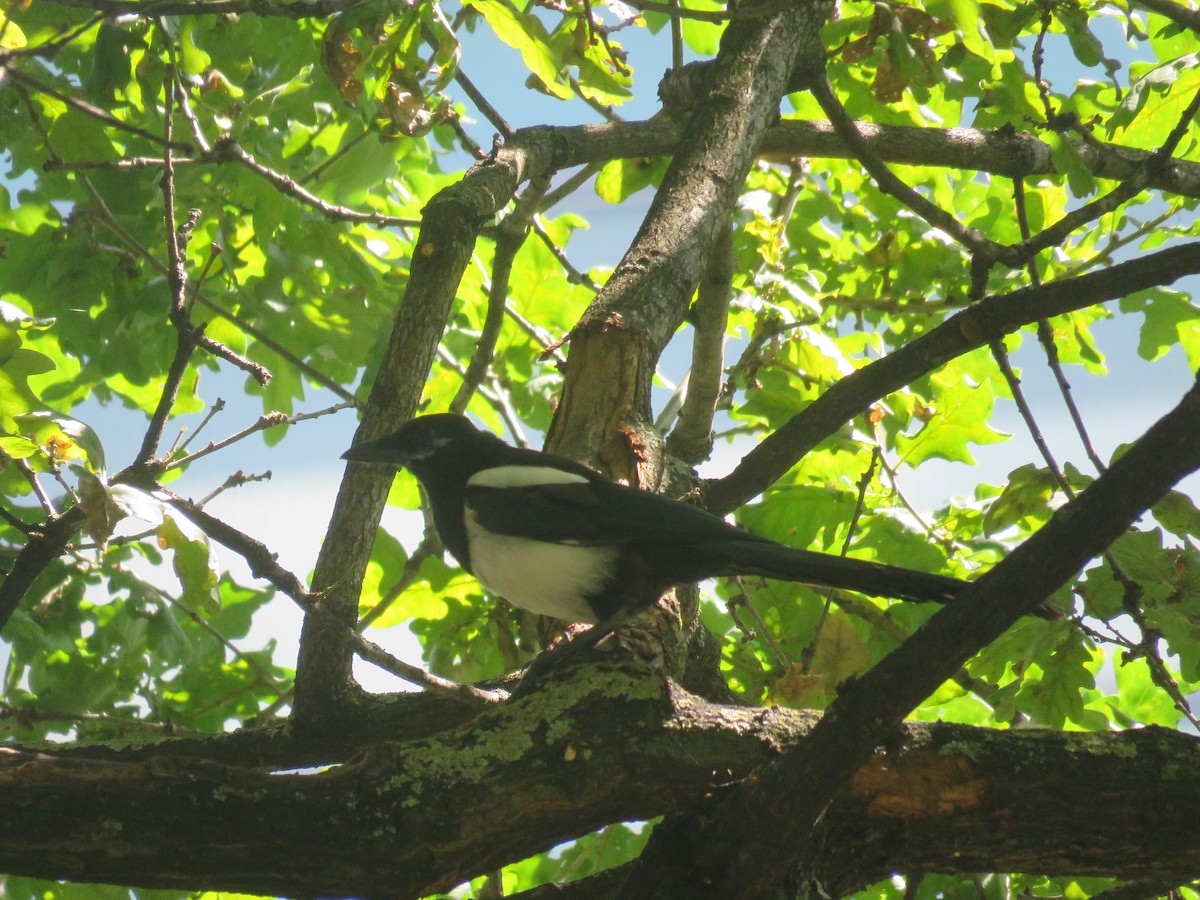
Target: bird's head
x,y
415,441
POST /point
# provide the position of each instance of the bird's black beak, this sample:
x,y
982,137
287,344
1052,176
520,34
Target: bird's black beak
x,y
380,450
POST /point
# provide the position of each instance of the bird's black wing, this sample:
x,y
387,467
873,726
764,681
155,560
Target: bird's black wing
x,y
592,512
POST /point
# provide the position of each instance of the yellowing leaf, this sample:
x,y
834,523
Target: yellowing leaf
x,y
800,691
841,653
99,512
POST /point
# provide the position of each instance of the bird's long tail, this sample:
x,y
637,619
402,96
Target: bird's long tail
x,y
771,560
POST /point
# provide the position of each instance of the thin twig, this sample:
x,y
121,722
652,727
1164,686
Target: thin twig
x,y
513,232
1000,355
254,370
185,107
15,522
539,335
431,545
50,48
83,106
228,149
1045,333
704,15
263,564
236,480
573,274
481,103
26,716
186,331
1131,591
677,18
569,186
1181,15
692,438
1039,58
973,239
810,650
129,163
606,112
760,630
181,444
38,490
315,174
265,421
264,677
302,9
1122,193
1116,241
894,482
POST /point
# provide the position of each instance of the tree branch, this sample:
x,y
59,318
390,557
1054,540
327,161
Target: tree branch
x,y
1183,16
692,438
988,320
868,711
451,223
640,307
624,746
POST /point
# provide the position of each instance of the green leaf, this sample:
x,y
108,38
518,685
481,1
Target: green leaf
x,y
11,35
962,408
18,447
703,38
63,437
111,67
193,60
1069,162
1177,513
966,16
1176,76
1171,318
1088,50
195,561
622,178
526,34
1025,502
16,397
1139,698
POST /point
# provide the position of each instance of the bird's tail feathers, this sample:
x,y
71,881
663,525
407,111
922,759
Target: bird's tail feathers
x,y
771,560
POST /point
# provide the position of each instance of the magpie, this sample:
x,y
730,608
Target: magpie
x,y
552,536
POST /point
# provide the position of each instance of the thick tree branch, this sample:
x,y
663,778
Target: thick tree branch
x,y
604,415
1181,15
868,711
986,321
692,438
602,744
450,225
994,151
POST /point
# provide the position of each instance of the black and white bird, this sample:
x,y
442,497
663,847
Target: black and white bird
x,y
554,537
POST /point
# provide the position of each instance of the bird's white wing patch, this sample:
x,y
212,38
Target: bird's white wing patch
x,y
523,476
542,577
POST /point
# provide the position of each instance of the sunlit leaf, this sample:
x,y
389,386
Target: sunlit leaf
x,y
194,561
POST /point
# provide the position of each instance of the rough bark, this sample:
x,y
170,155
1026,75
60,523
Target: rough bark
x,y
604,743
643,303
450,225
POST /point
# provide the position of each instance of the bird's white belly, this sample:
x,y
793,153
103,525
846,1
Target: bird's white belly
x,y
544,578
